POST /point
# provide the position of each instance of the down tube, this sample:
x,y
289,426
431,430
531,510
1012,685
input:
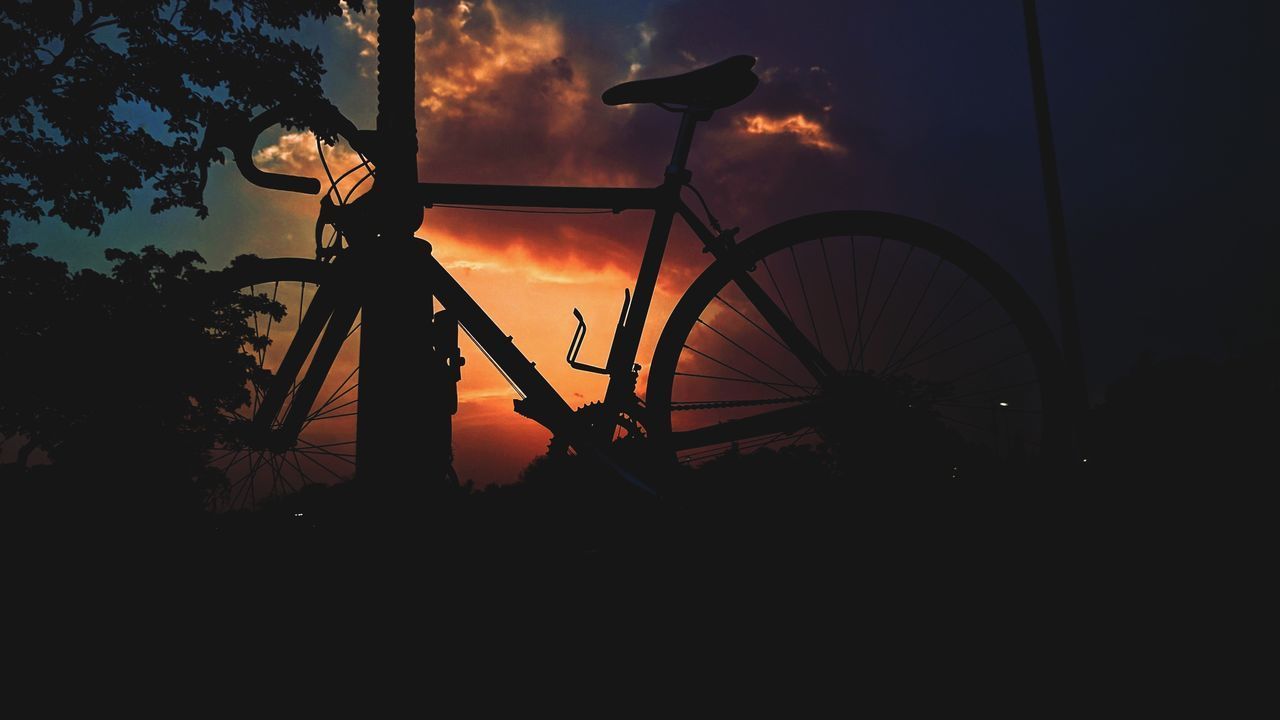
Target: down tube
x,y
542,402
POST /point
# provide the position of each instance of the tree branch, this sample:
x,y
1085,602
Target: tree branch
x,y
22,86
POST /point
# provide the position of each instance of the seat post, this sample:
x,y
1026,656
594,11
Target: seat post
x,y
684,140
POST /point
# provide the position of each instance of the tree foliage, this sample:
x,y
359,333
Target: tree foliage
x,y
80,73
123,381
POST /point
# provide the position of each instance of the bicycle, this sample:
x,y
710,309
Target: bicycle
x,y
836,331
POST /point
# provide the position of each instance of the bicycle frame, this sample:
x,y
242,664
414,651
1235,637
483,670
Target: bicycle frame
x,y
541,402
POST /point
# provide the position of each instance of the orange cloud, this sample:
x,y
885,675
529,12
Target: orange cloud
x,y
806,131
505,97
468,48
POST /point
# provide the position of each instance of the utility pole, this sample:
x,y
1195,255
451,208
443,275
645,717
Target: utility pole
x,y
1070,321
404,425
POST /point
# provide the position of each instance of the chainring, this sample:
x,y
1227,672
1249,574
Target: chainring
x,y
629,424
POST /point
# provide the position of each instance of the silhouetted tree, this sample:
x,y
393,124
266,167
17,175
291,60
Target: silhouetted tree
x,y
103,96
122,381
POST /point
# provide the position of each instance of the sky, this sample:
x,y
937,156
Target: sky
x,y
1162,113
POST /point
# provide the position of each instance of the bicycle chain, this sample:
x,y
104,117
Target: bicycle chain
x,y
734,403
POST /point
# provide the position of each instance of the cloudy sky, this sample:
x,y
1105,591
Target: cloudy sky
x,y
1162,110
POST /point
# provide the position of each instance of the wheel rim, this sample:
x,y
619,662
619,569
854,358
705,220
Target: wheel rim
x,y
257,467
942,364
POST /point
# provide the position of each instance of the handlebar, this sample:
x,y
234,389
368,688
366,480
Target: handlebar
x,y
240,137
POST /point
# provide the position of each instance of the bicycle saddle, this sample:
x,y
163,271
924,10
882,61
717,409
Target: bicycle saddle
x,y
709,88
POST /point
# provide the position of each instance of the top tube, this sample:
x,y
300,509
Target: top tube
x,y
616,199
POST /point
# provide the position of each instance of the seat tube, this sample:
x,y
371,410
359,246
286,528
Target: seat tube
x,y
626,342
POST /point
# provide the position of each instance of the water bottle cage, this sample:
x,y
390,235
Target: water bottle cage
x,y
580,334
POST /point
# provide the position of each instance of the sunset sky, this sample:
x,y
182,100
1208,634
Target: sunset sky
x,y
918,107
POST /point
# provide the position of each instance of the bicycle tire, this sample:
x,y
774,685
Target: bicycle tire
x,y
1028,423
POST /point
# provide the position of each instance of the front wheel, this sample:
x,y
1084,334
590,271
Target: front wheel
x,y
297,424
888,345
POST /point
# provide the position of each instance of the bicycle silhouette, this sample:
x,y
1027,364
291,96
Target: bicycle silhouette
x,y
884,341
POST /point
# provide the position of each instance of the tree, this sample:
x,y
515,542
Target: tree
x,y
122,381
69,149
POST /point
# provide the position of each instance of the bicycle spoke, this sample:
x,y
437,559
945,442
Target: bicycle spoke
x,y
335,444
767,334
738,428
275,291
320,414
857,303
324,467
920,340
727,447
276,482
745,374
297,464
835,296
806,388
778,290
751,444
813,320
815,363
866,301
710,404
330,343
899,366
344,457
962,343
253,290
889,361
748,352
323,453
335,394
328,417
885,304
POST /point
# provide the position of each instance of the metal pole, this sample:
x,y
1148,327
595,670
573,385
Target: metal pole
x,y
1071,350
404,425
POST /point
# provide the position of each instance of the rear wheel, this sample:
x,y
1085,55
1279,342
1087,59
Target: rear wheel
x,y
298,426
889,345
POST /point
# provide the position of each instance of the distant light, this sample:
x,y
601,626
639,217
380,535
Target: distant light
x,y
1004,404
1084,459
297,514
